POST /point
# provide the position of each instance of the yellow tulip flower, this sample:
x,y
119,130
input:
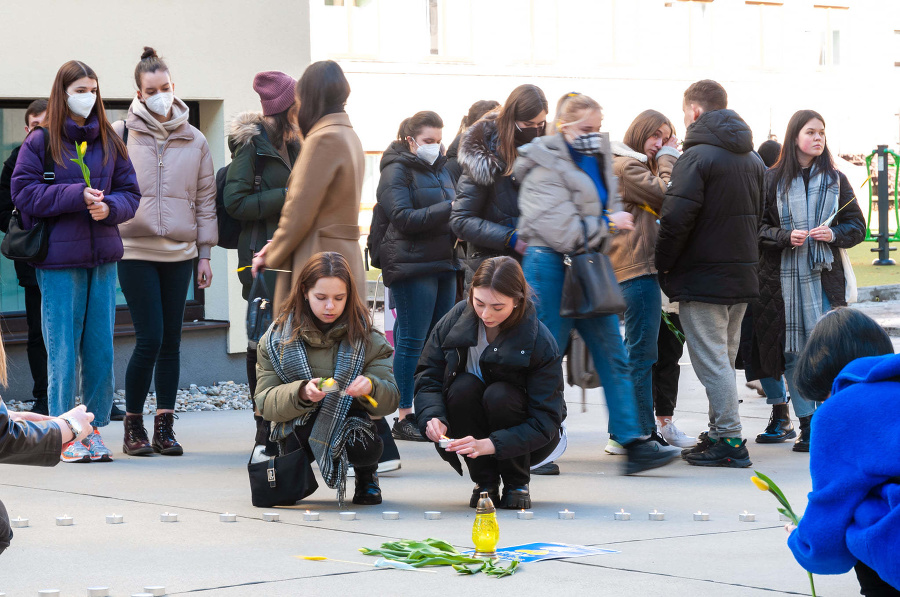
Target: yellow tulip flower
x,y
762,485
83,147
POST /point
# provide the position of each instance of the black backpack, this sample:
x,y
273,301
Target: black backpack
x,y
377,229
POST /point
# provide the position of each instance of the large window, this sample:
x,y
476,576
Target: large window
x,y
766,34
829,21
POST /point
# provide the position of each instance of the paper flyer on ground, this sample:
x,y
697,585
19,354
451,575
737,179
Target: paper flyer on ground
x,y
534,552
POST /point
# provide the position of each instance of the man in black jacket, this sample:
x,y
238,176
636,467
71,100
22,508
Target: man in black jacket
x,y
707,254
37,353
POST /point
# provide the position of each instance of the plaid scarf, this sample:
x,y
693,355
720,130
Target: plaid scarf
x,y
333,430
801,267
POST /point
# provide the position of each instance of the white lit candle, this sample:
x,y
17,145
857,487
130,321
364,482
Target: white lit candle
x,y
622,515
566,515
115,519
444,442
271,516
64,521
524,514
698,515
48,593
310,516
747,517
655,515
168,517
347,516
432,515
785,518
98,591
156,591
18,523
390,515
227,517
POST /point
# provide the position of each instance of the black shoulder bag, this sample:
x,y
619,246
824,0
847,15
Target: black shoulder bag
x,y
281,480
590,287
32,244
259,309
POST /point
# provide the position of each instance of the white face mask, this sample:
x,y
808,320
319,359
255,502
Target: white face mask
x,y
430,153
81,103
160,103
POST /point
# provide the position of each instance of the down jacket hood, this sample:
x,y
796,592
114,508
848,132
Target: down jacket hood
x,y
478,151
722,128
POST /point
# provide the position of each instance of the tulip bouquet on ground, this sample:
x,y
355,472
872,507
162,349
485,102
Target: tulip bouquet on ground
x,y
81,150
763,483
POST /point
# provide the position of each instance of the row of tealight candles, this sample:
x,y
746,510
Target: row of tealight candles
x,y
104,592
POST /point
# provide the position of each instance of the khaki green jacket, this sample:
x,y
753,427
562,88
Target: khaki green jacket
x,y
279,402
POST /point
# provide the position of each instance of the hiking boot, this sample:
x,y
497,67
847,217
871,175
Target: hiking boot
x,y
551,468
164,440
779,428
367,492
515,498
99,451
75,452
136,442
675,436
647,454
116,413
722,454
615,448
703,444
492,489
802,443
405,429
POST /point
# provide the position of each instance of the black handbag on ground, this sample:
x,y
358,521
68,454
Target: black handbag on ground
x,y
259,309
590,287
32,244
281,480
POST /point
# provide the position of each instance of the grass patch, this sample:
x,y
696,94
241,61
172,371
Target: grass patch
x,y
873,275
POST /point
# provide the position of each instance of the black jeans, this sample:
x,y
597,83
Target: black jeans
x,y
6,533
37,352
666,371
363,455
156,293
478,410
871,585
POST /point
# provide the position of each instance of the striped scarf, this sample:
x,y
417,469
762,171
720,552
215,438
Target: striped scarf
x,y
801,267
333,430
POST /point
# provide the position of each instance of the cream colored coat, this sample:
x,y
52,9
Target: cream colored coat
x,y
321,209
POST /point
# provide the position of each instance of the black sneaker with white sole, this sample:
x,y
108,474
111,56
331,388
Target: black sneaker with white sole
x,y
703,444
405,429
722,453
646,454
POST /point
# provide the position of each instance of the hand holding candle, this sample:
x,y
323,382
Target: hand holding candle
x,y
471,447
435,430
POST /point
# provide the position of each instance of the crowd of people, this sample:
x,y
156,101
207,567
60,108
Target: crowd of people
x,y
737,253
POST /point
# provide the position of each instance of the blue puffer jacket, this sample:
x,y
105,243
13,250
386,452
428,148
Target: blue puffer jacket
x,y
76,240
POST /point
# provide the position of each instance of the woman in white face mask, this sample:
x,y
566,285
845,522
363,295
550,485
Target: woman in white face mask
x,y
412,241
175,226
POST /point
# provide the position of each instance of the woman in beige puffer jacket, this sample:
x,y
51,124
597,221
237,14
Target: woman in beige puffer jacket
x,y
174,225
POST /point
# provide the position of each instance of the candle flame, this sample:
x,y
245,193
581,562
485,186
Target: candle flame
x,y
308,512
699,512
444,437
654,511
745,512
566,509
622,511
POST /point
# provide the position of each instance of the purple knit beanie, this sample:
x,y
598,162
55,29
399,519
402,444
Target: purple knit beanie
x,y
276,91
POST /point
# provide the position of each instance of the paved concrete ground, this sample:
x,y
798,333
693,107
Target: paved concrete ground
x,y
254,558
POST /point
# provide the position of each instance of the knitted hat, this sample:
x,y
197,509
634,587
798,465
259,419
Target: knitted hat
x,y
276,91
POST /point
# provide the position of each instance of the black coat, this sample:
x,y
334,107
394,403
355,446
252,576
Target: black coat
x,y
487,202
849,229
24,272
453,165
525,356
707,247
416,198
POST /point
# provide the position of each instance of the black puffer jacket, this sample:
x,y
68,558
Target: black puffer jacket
x,y
416,198
707,247
525,356
849,229
486,208
453,165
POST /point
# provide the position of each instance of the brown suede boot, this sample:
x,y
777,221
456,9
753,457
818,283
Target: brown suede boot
x,y
136,441
164,440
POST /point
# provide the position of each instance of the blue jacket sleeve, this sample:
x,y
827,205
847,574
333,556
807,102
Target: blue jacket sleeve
x,y
125,195
34,197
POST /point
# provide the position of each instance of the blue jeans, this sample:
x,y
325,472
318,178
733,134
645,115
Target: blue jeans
x,y
545,272
643,302
78,311
420,302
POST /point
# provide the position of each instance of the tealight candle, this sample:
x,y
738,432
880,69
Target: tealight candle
x,y
271,516
227,517
157,591
656,515
565,514
747,517
346,516
142,595
168,517
98,591
432,515
390,515
64,521
524,514
310,516
622,515
785,518
18,523
444,443
48,592
115,519
698,515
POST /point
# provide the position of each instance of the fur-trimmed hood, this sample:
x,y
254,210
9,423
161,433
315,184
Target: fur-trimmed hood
x,y
244,127
620,149
478,151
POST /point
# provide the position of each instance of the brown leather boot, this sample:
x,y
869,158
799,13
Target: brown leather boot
x,y
164,440
136,441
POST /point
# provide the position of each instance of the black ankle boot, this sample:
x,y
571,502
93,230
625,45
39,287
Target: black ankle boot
x,y
779,428
802,443
367,493
515,498
493,490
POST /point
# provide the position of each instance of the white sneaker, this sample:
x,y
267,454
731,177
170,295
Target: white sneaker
x,y
676,436
76,452
615,448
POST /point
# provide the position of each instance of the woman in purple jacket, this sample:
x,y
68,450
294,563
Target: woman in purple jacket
x,y
78,276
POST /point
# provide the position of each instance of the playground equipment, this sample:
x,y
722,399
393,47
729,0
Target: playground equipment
x,y
883,192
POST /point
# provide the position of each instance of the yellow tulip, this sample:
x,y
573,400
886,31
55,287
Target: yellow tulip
x,y
762,485
83,147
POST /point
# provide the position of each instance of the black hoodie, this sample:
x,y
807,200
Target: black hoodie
x,y
416,199
707,249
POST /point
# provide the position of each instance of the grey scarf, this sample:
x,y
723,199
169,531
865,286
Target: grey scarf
x,y
801,267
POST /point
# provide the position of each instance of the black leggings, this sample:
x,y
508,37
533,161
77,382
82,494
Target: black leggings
x,y
871,585
156,293
363,455
37,352
478,410
666,371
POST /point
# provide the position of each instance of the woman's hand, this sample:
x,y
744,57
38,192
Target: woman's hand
x,y
312,391
360,386
435,429
672,142
790,528
92,196
204,274
520,247
622,219
84,419
798,237
259,261
99,210
822,233
471,447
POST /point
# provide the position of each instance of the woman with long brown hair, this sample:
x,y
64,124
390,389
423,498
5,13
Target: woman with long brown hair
x,y
78,276
324,332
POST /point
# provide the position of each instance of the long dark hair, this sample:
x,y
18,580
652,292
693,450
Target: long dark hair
x,y
504,275
788,167
58,111
283,128
476,111
326,265
323,89
524,103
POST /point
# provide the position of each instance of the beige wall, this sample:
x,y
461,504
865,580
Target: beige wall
x,y
213,48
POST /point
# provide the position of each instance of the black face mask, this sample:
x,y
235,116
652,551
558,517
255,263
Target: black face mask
x,y
527,134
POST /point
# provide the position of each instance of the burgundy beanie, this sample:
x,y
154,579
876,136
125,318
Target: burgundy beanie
x,y
276,91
